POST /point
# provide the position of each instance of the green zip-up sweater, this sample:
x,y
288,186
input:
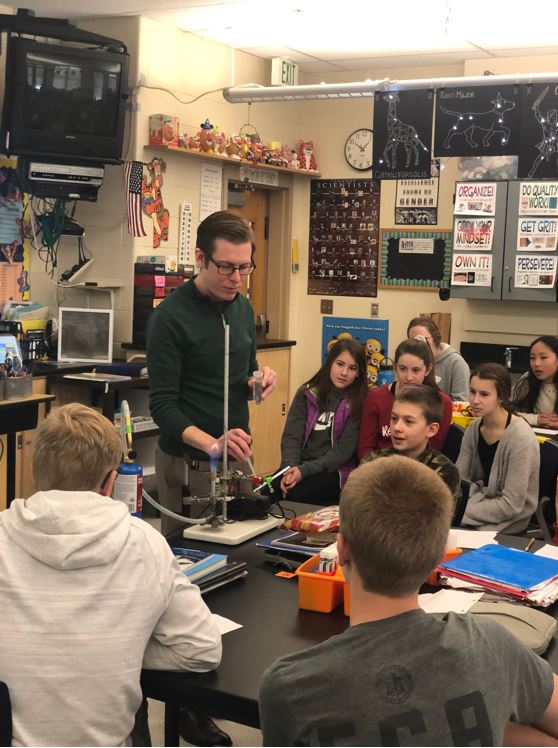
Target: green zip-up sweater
x,y
185,360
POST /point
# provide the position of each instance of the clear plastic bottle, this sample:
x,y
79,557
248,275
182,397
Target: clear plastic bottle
x,y
257,388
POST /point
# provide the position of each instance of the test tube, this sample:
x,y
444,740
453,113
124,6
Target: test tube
x,y
257,387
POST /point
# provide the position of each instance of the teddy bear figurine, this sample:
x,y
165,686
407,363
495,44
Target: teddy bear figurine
x,y
306,155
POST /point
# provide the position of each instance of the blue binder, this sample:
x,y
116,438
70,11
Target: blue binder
x,y
506,566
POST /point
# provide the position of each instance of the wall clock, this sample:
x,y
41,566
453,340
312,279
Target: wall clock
x,y
358,149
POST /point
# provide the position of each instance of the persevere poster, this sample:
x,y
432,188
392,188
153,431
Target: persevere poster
x,y
343,242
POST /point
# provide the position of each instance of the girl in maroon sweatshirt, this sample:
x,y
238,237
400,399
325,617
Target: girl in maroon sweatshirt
x,y
413,365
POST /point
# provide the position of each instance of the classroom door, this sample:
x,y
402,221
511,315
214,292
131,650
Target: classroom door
x,y
255,210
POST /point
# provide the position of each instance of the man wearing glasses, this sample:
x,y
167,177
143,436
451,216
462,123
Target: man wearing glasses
x,y
185,357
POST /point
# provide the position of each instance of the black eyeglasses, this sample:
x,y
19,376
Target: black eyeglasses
x,y
227,268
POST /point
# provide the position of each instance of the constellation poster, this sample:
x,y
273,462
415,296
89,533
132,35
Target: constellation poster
x,y
14,254
477,121
402,134
344,231
538,151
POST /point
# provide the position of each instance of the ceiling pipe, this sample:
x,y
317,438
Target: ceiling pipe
x,y
253,93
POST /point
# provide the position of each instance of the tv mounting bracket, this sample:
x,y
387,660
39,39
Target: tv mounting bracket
x,y
25,22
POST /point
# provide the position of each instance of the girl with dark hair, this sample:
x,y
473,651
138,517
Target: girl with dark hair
x,y
534,394
321,433
452,371
499,456
414,364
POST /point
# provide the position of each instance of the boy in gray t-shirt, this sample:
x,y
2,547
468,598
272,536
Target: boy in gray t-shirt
x,y
398,676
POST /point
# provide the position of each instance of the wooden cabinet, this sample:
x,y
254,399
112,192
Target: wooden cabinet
x,y
267,419
24,485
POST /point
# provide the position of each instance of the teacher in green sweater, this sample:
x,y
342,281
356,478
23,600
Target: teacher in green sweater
x,y
185,359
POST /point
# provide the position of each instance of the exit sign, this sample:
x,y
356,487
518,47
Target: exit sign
x,y
283,72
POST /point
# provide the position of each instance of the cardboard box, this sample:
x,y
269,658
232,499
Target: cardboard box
x,y
163,129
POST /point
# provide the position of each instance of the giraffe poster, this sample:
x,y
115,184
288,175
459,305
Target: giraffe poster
x,y
402,134
477,121
538,149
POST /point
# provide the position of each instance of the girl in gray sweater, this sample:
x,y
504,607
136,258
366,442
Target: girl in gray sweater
x,y
499,456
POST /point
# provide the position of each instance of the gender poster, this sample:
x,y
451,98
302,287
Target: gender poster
x,y
416,202
473,233
537,234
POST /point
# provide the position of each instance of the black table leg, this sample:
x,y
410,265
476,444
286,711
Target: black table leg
x,y
10,467
172,714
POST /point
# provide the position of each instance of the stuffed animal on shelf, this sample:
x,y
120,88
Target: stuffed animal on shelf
x,y
287,154
295,163
233,147
306,155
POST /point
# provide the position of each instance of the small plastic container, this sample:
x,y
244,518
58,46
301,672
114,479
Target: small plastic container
x,y
461,419
448,555
319,592
257,389
16,388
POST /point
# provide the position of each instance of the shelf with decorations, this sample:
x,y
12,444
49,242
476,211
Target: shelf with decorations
x,y
209,156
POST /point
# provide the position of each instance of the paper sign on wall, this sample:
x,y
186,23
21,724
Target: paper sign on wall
x,y
471,269
535,271
416,246
537,234
538,199
473,233
475,198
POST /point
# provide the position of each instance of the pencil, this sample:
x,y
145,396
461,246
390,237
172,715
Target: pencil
x,y
529,545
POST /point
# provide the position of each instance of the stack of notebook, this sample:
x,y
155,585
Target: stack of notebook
x,y
208,570
514,574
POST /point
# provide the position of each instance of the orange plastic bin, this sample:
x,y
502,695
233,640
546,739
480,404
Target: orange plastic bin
x,y
319,592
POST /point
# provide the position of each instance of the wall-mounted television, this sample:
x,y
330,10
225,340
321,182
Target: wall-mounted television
x,y
64,102
85,335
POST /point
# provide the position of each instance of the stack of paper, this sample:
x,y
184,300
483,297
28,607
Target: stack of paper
x,y
508,572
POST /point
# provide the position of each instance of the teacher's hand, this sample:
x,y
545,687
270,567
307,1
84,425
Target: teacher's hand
x,y
238,444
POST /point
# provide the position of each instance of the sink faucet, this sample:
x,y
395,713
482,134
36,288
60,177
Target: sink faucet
x,y
508,355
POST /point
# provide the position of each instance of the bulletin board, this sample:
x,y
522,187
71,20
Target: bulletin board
x,y
415,259
344,237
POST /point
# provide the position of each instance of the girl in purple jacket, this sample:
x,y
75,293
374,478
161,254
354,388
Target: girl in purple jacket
x,y
320,437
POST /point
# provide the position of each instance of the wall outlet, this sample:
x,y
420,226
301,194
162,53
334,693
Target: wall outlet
x,y
374,310
326,306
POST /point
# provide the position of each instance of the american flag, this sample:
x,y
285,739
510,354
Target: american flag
x,y
133,174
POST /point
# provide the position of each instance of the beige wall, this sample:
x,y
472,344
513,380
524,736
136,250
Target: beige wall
x,y
188,66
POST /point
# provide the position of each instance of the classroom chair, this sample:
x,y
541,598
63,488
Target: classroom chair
x,y
545,514
461,505
5,716
453,442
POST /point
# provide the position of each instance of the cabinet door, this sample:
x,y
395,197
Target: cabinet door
x,y
494,291
509,290
268,418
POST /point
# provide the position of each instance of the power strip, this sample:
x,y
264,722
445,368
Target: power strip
x,y
186,254
70,275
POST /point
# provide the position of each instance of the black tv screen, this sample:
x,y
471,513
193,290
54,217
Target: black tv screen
x,y
64,101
